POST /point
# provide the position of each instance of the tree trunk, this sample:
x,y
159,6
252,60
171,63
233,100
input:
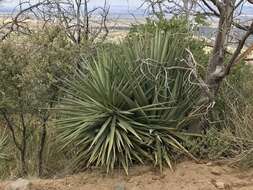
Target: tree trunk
x,y
41,148
187,7
23,149
23,163
43,137
78,21
24,170
216,67
86,17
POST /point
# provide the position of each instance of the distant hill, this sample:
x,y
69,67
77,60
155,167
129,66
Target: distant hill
x,y
122,11
125,11
5,10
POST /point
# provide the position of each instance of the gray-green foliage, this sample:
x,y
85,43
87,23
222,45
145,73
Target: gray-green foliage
x,y
29,71
131,106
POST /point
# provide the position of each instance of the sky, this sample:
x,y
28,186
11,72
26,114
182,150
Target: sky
x,y
116,6
129,3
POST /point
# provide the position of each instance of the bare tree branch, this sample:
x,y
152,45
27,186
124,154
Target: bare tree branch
x,y
72,16
235,57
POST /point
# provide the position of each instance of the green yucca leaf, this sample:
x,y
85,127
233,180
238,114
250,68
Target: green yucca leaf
x,y
111,138
3,142
104,126
127,127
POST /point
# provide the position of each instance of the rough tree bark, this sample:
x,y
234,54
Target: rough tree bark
x,y
215,69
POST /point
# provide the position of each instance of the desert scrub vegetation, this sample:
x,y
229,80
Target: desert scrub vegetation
x,y
31,71
229,135
66,107
136,104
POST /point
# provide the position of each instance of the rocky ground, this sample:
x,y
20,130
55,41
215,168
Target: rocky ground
x,y
187,176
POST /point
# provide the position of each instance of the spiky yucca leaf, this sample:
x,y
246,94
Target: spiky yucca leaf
x,y
130,107
3,141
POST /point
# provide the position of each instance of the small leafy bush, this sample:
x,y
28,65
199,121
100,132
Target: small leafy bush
x,y
30,67
174,25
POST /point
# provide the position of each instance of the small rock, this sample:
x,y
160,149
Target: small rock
x,y
209,164
20,184
216,171
119,187
130,180
156,178
221,185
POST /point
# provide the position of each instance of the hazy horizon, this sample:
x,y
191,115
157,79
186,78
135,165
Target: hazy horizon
x,y
117,7
128,3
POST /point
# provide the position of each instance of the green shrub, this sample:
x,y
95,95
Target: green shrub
x,y
30,71
174,25
131,106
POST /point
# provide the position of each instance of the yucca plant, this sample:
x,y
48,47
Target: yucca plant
x,y
131,106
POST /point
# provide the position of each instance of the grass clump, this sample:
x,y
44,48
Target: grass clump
x,y
229,137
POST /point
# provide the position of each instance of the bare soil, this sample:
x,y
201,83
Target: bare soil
x,y
187,176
